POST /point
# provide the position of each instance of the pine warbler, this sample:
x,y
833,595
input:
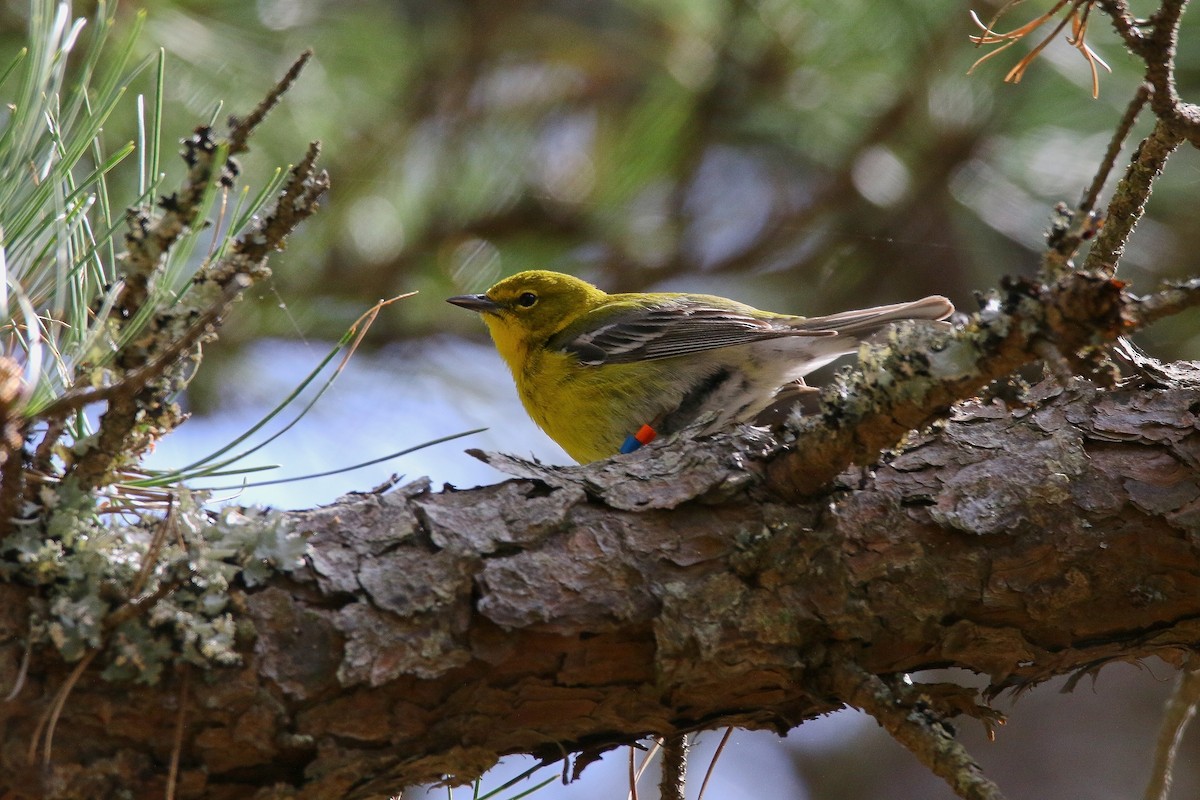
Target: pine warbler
x,y
604,373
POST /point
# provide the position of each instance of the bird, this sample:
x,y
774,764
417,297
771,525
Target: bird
x,y
603,373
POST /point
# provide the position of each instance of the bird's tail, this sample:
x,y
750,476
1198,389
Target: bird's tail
x,y
866,321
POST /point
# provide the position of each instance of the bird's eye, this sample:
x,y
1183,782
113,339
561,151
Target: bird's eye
x,y
527,299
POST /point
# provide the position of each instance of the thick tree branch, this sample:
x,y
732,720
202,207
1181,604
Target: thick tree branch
x,y
436,632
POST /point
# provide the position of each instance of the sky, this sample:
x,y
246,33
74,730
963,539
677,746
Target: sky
x,y
380,403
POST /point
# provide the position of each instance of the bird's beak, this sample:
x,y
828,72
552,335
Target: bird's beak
x,y
475,302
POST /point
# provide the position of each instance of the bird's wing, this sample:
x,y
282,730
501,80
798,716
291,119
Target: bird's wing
x,y
677,328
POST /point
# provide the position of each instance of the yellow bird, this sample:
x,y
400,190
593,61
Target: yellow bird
x,y
604,373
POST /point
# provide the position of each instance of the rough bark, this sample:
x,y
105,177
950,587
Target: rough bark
x,y
561,613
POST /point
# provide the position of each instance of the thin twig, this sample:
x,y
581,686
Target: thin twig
x,y
150,558
177,742
1129,200
240,129
673,783
139,605
1114,148
1124,23
43,455
926,736
633,792
22,671
1159,55
49,720
712,765
1164,303
1179,711
1156,42
1065,238
160,349
296,203
650,754
134,381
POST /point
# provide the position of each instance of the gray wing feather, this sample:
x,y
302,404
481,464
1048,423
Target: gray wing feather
x,y
692,326
675,330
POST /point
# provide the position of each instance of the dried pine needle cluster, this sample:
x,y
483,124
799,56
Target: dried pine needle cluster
x,y
1076,16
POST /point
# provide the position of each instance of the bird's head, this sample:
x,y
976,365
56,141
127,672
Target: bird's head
x,y
526,309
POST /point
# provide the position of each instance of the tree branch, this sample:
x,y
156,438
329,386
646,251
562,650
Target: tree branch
x,y
918,729
1179,711
434,632
870,413
1156,42
1129,201
154,365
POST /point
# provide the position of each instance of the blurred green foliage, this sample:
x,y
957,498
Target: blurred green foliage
x,y
802,156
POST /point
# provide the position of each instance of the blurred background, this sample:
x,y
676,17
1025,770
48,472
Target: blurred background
x,y
802,157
